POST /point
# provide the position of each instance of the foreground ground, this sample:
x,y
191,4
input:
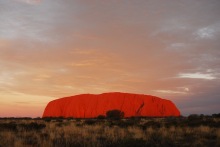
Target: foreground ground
x,y
183,131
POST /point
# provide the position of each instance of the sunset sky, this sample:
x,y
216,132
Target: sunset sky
x,y
55,48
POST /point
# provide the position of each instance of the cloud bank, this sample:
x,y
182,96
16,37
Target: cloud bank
x,y
59,48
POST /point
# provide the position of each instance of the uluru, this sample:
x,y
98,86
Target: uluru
x,y
93,105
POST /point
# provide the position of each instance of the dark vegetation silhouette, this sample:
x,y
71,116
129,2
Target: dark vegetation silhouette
x,y
111,130
115,114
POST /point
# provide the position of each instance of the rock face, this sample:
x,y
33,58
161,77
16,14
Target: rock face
x,y
91,106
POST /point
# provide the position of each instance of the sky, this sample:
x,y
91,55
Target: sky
x,y
56,48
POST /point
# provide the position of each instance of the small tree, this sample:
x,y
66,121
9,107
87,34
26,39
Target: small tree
x,y
101,117
193,117
115,114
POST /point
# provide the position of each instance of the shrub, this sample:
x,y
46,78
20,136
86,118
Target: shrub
x,y
12,126
47,119
216,115
152,124
69,118
126,123
115,114
193,117
90,122
101,117
32,126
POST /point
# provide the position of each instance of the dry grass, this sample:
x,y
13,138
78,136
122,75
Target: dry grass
x,y
142,132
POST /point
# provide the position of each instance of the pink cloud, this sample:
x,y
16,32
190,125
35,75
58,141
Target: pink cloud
x,y
31,2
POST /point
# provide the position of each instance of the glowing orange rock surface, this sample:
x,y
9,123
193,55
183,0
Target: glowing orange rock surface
x,y
91,106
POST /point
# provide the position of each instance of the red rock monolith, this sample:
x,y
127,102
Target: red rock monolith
x,y
91,106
